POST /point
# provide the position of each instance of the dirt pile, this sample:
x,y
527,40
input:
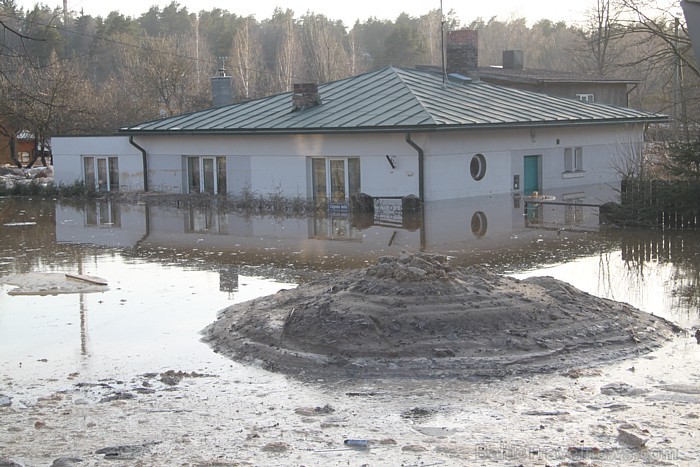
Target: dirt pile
x,y
414,315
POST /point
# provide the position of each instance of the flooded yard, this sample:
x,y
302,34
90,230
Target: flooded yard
x,y
122,374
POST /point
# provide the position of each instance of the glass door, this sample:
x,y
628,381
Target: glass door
x,y
337,175
209,181
206,174
101,173
335,180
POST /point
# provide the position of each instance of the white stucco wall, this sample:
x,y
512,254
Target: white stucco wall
x,y
448,158
280,164
68,152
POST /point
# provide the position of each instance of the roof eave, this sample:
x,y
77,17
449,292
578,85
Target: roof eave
x,y
400,129
543,80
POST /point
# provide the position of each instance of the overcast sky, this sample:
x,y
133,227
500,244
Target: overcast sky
x,y
348,11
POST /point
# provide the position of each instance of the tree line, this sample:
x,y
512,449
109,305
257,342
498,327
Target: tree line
x,y
70,73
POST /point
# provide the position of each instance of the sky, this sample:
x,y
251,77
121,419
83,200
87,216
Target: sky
x,y
348,11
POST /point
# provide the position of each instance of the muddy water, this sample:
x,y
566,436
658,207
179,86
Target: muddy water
x,y
170,270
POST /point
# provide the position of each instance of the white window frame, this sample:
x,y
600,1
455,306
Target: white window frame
x,y
93,180
586,97
200,161
573,162
328,175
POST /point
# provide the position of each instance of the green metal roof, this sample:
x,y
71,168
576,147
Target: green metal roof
x,y
394,99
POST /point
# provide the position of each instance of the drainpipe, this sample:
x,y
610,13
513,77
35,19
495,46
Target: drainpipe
x,y
421,180
145,162
421,187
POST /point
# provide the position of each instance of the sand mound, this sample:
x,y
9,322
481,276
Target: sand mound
x,y
416,316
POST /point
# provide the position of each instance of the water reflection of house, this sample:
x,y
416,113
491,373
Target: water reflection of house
x,y
386,133
464,224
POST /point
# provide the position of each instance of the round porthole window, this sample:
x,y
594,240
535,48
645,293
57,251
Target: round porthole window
x,y
477,167
479,224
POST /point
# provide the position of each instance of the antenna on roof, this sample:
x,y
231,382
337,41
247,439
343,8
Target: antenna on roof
x,y
442,45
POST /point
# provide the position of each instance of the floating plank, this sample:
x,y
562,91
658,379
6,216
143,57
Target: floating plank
x,y
90,279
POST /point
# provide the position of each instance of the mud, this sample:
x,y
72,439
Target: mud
x,y
246,416
416,316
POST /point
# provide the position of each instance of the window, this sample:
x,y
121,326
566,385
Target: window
x,y
335,179
586,97
573,159
477,167
101,173
206,175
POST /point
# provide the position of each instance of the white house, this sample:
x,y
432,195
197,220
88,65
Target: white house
x,y
387,133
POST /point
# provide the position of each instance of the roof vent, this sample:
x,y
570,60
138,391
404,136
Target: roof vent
x,y
305,96
458,78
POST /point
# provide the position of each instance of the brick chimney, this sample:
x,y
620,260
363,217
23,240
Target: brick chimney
x,y
513,59
305,96
462,51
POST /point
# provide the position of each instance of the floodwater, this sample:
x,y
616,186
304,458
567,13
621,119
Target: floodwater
x,y
171,269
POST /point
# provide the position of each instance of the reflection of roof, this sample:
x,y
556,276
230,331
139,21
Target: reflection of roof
x,y
394,99
547,76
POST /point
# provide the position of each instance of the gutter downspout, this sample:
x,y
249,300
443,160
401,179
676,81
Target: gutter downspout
x,y
421,162
145,162
421,186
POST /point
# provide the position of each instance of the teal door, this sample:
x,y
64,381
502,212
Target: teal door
x,y
531,177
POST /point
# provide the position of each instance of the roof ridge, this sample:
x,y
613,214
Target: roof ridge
x,y
410,88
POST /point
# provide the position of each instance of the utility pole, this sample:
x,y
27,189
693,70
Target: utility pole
x,y
442,45
675,114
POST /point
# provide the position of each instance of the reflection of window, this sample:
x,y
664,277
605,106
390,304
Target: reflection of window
x,y
206,221
573,159
101,173
103,213
335,227
477,167
206,175
479,224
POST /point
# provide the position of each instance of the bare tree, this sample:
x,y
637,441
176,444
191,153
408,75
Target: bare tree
x,y
246,61
164,70
326,58
43,101
287,51
600,40
660,28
